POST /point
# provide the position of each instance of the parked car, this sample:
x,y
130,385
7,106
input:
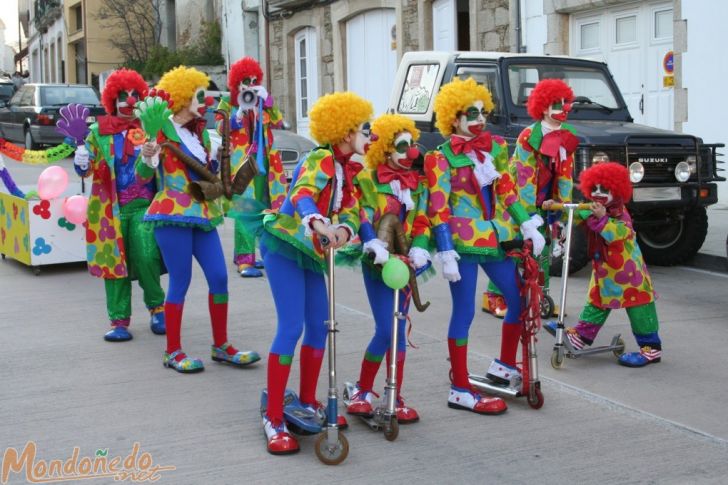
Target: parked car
x,y
290,145
674,175
30,116
7,89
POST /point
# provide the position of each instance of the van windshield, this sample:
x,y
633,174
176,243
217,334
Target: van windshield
x,y
62,95
592,87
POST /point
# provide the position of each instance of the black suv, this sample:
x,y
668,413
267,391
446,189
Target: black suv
x,y
674,175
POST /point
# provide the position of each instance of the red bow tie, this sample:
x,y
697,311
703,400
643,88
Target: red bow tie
x,y
478,145
351,169
196,125
559,138
407,178
111,125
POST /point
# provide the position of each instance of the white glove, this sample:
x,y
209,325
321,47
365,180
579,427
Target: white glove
x,y
449,262
152,162
529,229
379,249
240,113
261,91
418,257
81,157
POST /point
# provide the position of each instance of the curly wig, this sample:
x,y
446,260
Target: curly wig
x,y
387,127
122,80
454,97
546,93
610,175
242,69
181,84
335,115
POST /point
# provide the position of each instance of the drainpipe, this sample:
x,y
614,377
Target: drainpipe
x,y
267,44
519,43
85,43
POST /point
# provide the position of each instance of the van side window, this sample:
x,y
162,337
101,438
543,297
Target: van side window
x,y
418,89
487,76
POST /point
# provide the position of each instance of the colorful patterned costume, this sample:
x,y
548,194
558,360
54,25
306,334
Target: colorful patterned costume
x,y
542,163
268,190
473,206
185,227
389,187
322,190
120,247
619,275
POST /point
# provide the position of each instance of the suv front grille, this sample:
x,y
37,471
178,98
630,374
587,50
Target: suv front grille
x,y
658,168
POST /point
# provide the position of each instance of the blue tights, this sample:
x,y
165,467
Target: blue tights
x,y
503,274
381,300
178,244
300,297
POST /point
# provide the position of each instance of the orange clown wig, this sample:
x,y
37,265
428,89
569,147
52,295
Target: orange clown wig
x,y
546,93
387,127
122,80
611,176
245,68
335,115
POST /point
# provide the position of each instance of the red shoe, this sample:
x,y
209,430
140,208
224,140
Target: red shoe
x,y
494,304
280,441
466,399
406,415
361,403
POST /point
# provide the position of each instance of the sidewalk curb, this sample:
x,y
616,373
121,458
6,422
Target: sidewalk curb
x,y
709,262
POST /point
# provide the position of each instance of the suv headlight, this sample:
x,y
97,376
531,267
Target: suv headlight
x,y
600,157
637,172
683,171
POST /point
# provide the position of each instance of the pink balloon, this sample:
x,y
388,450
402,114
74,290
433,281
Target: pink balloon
x,y
74,208
52,182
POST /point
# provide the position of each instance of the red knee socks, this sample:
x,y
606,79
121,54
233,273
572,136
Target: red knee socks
x,y
459,362
173,322
369,368
218,305
279,367
400,369
311,360
511,334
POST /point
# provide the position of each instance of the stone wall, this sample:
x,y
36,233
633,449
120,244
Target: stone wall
x,y
492,28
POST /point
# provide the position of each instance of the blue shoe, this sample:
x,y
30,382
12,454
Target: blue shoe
x,y
251,272
550,328
241,358
118,334
300,418
157,324
259,264
646,355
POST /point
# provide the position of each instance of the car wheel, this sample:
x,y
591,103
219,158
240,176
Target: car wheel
x,y
579,255
29,143
675,242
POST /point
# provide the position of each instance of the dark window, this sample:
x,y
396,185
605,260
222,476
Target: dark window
x,y
78,17
62,95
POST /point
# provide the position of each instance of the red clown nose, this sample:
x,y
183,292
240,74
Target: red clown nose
x,y
131,101
209,101
413,153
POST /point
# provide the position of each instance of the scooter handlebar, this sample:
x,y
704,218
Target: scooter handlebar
x,y
557,206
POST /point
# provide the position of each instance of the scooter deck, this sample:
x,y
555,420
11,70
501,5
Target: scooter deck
x,y
299,418
376,420
483,383
572,353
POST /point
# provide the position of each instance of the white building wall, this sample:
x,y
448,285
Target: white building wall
x,y
704,74
534,26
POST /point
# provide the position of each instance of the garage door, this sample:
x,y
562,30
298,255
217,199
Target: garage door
x,y
636,42
371,56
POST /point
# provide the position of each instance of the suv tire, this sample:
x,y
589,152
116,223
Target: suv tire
x,y
579,255
675,243
29,143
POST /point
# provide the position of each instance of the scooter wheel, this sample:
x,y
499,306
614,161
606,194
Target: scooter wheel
x,y
618,352
547,306
331,455
391,428
536,401
557,359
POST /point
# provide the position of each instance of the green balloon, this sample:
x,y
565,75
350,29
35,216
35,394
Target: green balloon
x,y
395,273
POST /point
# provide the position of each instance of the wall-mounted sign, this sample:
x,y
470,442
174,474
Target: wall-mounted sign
x,y
668,63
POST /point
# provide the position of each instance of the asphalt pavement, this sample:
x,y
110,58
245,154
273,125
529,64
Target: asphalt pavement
x,y
62,386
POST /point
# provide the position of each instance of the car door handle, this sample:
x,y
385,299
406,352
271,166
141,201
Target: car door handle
x,y
642,104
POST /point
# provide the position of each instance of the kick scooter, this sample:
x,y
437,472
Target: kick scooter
x,y
562,346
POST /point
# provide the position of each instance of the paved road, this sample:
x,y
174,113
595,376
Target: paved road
x,y
62,386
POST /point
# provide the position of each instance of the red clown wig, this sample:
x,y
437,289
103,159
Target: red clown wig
x,y
611,176
546,93
122,80
244,68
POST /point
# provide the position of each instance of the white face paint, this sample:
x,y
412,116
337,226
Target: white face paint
x,y
405,152
362,137
557,113
471,122
601,195
125,101
197,104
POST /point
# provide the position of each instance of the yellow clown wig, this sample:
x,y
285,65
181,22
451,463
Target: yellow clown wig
x,y
454,98
181,84
335,115
387,127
